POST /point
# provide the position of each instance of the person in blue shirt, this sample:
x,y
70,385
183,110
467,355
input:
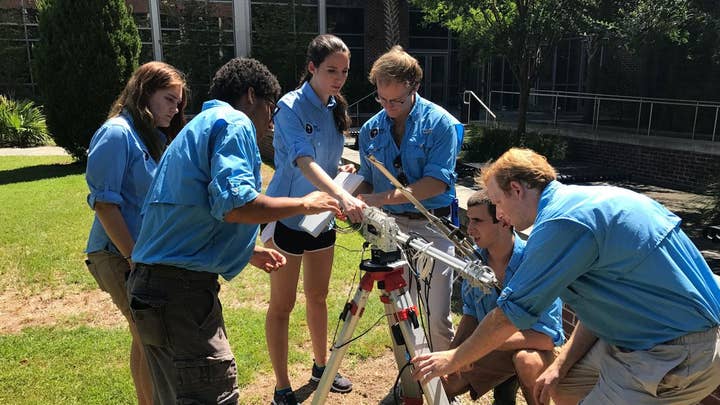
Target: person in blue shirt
x,y
646,301
199,222
122,159
418,142
526,353
309,138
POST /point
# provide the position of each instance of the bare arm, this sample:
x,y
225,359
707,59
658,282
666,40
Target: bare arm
x,y
492,332
422,189
577,346
528,339
322,181
264,209
115,226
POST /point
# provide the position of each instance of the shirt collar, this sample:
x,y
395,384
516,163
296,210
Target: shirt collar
x,y
214,103
418,108
307,91
547,195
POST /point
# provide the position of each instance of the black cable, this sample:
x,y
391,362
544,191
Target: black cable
x,y
362,334
397,380
347,298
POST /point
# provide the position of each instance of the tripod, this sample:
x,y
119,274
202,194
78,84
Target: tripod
x,y
408,338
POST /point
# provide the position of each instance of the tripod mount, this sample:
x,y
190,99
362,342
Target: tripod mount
x,y
386,268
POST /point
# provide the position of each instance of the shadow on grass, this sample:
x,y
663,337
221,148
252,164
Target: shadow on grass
x,y
40,172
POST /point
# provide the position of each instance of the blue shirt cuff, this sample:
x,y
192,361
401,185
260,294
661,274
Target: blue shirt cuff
x,y
517,315
300,149
439,172
223,201
105,196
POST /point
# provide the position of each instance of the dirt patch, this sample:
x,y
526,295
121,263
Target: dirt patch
x,y
372,382
22,309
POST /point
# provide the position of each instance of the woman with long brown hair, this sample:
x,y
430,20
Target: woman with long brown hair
x,y
122,158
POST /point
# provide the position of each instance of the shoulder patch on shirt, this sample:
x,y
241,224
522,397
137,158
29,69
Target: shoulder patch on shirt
x,y
374,132
427,131
308,128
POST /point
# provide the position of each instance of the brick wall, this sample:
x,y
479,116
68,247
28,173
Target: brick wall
x,y
678,169
569,321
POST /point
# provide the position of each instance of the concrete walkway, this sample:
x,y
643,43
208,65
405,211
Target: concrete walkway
x,y
37,151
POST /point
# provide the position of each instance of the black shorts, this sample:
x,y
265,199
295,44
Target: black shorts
x,y
299,242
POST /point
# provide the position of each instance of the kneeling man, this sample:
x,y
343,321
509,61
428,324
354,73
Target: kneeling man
x,y
526,353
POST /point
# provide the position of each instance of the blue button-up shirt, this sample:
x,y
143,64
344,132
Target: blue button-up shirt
x,y
620,260
304,126
119,171
478,304
211,167
429,148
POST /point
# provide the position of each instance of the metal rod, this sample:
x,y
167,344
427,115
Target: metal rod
x,y
715,123
694,122
650,118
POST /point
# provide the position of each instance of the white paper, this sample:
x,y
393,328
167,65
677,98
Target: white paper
x,y
314,224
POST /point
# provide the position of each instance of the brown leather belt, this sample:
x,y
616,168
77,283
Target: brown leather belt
x,y
438,212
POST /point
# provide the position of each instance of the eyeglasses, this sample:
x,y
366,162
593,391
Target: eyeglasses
x,y
394,102
402,178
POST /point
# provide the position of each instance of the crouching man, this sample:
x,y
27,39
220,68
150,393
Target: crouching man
x,y
526,353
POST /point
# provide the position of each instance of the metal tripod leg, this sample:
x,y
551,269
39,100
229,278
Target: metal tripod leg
x,y
352,313
402,316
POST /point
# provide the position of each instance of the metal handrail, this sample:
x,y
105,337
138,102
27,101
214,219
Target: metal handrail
x,y
356,104
466,100
597,98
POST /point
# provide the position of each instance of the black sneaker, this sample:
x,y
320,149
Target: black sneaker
x,y
284,397
340,384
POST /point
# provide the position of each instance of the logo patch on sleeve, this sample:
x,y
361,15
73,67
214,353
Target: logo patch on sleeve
x,y
374,132
308,128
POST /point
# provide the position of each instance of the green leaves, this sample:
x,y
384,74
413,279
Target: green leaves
x,y
87,50
22,124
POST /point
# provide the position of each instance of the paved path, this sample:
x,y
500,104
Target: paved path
x,y
38,151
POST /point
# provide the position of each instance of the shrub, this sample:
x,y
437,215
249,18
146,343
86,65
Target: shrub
x,y
86,52
22,124
483,144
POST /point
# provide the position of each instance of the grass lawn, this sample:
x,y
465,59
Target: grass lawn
x,y
45,223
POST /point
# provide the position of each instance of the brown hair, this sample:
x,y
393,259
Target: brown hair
x,y
481,197
320,48
522,165
145,81
396,65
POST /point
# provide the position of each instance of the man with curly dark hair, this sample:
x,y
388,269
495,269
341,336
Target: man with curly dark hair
x,y
200,222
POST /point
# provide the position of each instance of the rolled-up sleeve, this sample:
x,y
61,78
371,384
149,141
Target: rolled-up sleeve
x,y
106,165
290,132
557,253
550,323
233,182
441,158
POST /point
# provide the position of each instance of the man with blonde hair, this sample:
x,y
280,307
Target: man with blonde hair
x,y
645,299
418,142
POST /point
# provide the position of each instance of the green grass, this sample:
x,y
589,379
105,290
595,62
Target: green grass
x,y
45,223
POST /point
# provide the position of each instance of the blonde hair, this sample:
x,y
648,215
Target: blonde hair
x,y
521,165
396,65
